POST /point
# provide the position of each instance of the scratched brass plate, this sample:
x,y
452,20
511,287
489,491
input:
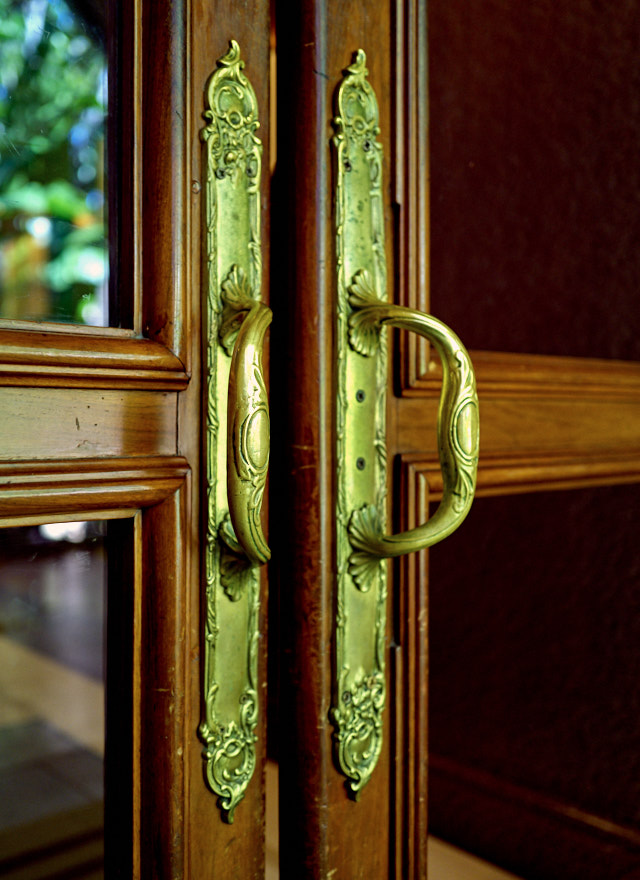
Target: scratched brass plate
x,y
232,284
359,680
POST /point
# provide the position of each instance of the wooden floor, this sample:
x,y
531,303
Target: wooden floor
x,y
50,708
445,862
32,685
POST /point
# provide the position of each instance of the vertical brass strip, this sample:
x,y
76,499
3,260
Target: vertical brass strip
x,y
359,681
233,279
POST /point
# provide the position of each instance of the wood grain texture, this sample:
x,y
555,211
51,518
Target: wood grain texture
x,y
323,833
411,178
534,426
529,832
502,374
534,126
160,97
215,848
410,708
75,486
161,762
534,641
41,423
36,357
516,474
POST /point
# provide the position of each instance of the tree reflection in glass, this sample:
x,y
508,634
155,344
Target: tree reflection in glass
x,y
53,99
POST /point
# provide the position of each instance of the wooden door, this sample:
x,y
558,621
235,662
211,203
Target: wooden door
x,y
323,831
137,459
105,423
533,725
530,219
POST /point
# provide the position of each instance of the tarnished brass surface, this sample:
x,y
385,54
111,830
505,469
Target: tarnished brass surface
x,y
236,432
248,436
359,683
362,313
458,435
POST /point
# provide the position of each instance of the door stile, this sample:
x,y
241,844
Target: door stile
x,y
302,526
322,830
216,848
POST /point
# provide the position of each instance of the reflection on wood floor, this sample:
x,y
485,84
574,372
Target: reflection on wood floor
x,y
52,723
445,862
51,706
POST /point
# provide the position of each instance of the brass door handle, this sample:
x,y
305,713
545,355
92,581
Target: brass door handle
x,y
359,685
236,431
248,435
458,433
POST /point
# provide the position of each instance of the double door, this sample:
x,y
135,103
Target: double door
x,y
140,460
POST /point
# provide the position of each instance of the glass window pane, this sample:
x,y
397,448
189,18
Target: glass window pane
x,y
53,104
52,595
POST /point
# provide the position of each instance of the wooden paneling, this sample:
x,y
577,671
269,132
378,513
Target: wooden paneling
x,y
37,488
53,358
501,374
533,636
323,832
534,130
411,179
516,474
64,423
215,848
409,700
528,426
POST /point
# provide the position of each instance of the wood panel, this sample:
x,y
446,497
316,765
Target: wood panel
x,y
93,425
323,832
80,423
410,692
43,489
501,374
100,359
529,833
534,126
534,641
215,848
517,474
411,180
527,426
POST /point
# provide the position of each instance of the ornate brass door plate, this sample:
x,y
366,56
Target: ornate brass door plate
x,y
236,430
359,680
362,545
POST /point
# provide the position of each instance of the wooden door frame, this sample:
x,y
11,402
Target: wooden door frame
x,y
322,831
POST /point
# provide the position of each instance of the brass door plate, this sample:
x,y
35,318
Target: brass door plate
x,y
232,273
359,678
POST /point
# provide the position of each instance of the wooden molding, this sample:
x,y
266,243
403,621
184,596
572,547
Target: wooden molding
x,y
409,670
502,374
61,359
517,474
411,179
44,489
526,831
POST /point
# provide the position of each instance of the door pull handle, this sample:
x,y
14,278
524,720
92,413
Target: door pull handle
x,y
236,431
358,697
458,434
248,435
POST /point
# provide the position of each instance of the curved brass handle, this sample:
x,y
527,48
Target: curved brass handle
x,y
458,433
248,434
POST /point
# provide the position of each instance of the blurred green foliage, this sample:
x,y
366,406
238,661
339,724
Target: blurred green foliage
x,y
52,112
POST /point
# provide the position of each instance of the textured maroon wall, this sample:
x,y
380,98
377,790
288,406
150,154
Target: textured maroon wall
x,y
535,174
